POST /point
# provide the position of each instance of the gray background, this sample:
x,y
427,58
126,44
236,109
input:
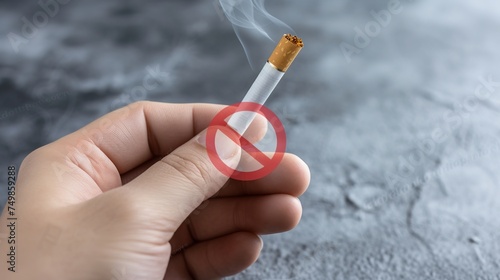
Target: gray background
x,y
403,154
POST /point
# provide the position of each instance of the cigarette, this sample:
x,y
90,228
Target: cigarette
x,y
278,63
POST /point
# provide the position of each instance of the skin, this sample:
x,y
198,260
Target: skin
x,y
133,195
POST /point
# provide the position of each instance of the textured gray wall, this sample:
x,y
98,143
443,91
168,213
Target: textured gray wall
x,y
404,152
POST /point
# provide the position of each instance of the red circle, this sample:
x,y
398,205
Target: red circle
x,y
220,120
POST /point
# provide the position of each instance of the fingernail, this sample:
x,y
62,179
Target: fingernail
x,y
202,138
261,242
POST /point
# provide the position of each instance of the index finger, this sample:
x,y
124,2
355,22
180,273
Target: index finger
x,y
131,135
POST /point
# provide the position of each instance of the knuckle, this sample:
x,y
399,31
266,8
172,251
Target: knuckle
x,y
191,168
137,106
34,158
140,104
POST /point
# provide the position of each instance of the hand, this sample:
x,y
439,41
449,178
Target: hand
x,y
134,196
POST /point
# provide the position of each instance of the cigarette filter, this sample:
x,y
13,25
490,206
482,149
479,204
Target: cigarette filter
x,y
278,63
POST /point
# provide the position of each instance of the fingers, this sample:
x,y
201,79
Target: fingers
x,y
132,174
120,141
89,161
291,176
216,258
255,132
136,133
257,129
262,214
259,214
181,181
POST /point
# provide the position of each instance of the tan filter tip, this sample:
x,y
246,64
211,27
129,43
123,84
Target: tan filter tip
x,y
285,52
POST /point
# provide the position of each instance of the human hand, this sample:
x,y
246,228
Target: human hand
x,y
118,199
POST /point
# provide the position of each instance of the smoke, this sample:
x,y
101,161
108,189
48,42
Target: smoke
x,y
257,30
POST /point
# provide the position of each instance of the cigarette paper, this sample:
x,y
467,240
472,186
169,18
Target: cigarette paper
x,y
280,60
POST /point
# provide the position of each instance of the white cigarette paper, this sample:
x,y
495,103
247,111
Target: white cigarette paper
x,y
260,90
268,78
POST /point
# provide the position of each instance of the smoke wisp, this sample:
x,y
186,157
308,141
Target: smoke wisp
x,y
255,27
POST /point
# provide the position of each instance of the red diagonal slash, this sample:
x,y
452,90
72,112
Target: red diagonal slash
x,y
246,145
269,164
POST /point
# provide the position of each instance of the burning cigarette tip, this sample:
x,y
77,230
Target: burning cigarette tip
x,y
285,52
294,39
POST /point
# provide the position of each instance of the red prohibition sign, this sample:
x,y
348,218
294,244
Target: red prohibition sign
x,y
269,164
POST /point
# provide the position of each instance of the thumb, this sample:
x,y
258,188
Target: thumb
x,y
180,182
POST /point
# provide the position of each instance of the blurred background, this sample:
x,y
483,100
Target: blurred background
x,y
393,104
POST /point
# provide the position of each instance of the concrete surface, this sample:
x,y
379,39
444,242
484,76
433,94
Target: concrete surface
x,y
403,147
